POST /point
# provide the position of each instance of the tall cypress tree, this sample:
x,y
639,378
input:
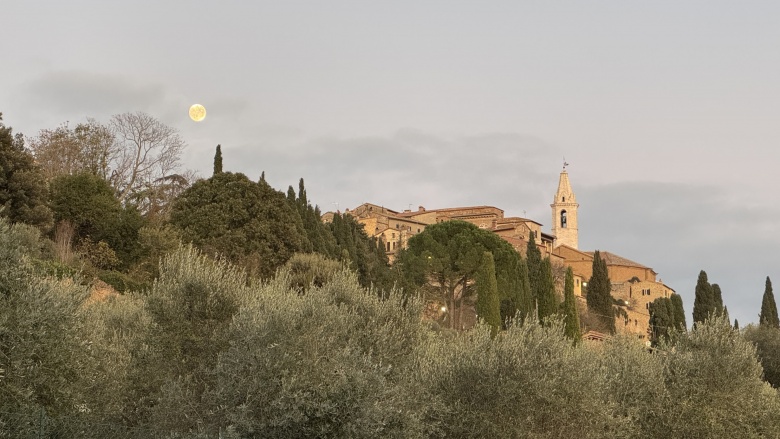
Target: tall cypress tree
x,y
599,297
546,298
533,260
571,317
679,313
525,302
218,160
768,316
704,302
717,297
488,307
661,318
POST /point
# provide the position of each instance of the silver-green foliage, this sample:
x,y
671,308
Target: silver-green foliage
x,y
767,341
530,381
715,387
43,352
324,364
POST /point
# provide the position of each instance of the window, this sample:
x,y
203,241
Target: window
x,y
393,235
563,219
388,246
578,282
563,199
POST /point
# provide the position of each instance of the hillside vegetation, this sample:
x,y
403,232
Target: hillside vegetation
x,y
239,314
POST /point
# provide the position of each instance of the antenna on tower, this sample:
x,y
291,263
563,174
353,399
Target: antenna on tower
x,y
564,163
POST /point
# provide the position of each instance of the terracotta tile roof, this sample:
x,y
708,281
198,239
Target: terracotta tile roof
x,y
501,227
517,219
406,220
613,259
448,209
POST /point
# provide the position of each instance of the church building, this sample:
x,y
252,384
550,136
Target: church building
x,y
634,286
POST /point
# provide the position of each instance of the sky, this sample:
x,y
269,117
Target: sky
x,y
667,112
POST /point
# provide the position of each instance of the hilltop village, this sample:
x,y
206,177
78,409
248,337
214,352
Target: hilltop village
x,y
634,285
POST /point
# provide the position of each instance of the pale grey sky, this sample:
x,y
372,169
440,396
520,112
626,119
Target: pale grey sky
x,y
667,111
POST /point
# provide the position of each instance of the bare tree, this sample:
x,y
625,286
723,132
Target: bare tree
x,y
65,151
147,151
98,147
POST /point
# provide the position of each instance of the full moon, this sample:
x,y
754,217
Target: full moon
x,y
197,112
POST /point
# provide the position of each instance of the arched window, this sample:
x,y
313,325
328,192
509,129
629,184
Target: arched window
x,y
563,219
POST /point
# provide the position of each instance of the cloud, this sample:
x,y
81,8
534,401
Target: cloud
x,y
411,167
85,93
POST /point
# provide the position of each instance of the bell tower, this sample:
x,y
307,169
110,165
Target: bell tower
x,y
564,212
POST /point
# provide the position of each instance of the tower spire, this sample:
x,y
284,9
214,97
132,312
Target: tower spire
x,y
564,212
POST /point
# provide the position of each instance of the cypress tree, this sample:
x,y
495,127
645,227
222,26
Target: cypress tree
x,y
488,307
768,316
302,199
599,297
704,302
726,314
736,325
533,260
571,317
546,299
525,302
717,297
661,318
291,196
218,160
679,313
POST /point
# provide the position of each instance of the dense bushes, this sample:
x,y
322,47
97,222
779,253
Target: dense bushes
x,y
312,354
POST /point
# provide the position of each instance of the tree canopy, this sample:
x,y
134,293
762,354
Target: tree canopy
x,y
87,202
23,191
249,223
445,258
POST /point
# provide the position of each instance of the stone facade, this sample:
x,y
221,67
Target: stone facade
x,y
634,286
564,214
634,297
395,228
390,227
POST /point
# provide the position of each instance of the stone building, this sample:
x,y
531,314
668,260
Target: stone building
x,y
634,286
395,228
